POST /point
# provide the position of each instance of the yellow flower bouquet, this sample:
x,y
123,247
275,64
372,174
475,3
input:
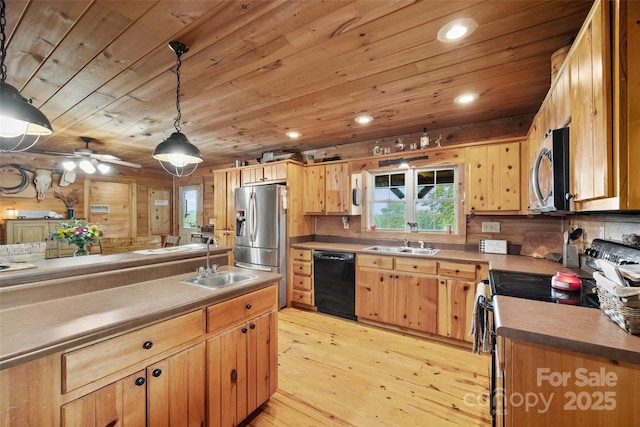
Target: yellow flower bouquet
x,y
79,233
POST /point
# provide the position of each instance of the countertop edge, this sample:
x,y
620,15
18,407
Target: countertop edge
x,y
133,323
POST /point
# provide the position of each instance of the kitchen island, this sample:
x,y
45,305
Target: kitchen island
x,y
138,351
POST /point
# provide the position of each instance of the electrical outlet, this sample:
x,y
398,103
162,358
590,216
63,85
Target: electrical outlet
x,y
345,222
490,227
601,233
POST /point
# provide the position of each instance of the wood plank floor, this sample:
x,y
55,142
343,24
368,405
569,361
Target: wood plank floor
x,y
335,372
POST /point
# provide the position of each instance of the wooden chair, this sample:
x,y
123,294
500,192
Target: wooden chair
x,y
171,241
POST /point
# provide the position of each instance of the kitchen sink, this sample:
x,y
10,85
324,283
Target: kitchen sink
x,y
220,280
402,249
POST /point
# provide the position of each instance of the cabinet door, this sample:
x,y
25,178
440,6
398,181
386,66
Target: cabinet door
x,y
374,295
176,389
28,232
314,195
121,403
591,148
233,182
220,200
337,186
261,361
455,307
494,177
416,302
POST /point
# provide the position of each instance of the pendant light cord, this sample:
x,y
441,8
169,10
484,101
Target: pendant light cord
x,y
176,124
3,37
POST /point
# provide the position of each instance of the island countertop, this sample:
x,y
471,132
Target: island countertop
x,y
55,268
579,329
34,330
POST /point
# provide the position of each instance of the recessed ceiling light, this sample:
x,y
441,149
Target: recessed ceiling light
x,y
293,134
456,30
364,119
466,98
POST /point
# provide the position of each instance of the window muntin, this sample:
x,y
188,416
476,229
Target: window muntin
x,y
425,196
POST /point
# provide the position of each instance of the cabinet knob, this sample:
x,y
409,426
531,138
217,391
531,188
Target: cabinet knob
x,y
415,266
156,372
234,376
244,330
248,306
252,326
147,345
457,271
139,381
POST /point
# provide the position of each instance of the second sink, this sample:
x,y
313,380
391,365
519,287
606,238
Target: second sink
x,y
220,279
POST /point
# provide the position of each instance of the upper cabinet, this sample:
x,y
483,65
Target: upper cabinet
x,y
494,178
591,134
224,184
265,174
327,189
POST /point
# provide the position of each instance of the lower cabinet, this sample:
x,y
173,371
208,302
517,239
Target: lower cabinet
x,y
424,295
170,392
302,277
241,356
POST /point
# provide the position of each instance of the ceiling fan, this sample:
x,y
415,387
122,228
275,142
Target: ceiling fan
x,y
89,160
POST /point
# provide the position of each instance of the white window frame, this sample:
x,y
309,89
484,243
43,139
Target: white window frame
x,y
410,197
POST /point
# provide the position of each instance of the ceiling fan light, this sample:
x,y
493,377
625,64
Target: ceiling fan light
x,y
104,168
69,165
87,166
18,117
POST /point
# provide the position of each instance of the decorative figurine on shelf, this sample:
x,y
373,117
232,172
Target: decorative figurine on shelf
x,y
69,200
400,146
424,139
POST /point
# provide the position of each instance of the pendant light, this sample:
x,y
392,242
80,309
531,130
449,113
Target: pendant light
x,y
21,124
176,154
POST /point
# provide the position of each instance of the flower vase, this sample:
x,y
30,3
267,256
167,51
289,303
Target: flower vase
x,y
81,249
71,213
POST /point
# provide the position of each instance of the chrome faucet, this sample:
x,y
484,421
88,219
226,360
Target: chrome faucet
x,y
211,269
404,241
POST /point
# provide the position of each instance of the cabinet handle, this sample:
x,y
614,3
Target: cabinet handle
x,y
457,271
156,372
234,376
139,381
147,345
248,306
244,330
252,326
465,287
415,266
374,262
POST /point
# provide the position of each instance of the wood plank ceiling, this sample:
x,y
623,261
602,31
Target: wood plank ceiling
x,y
255,69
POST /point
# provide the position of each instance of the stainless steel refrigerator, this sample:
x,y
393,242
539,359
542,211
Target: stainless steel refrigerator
x,y
260,241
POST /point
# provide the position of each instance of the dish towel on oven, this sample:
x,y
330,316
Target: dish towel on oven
x,y
480,323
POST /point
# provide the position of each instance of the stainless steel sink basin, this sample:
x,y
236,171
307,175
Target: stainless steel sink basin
x,y
219,280
402,249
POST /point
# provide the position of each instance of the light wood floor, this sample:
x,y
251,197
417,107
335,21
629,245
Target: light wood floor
x,y
335,372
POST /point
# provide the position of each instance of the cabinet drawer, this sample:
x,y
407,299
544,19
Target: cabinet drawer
x,y
302,254
303,297
414,265
302,268
462,271
83,366
375,261
241,308
302,282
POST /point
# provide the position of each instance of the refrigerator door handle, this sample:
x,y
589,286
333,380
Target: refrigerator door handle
x,y
254,217
252,266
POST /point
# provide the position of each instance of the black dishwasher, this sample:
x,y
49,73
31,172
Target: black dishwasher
x,y
334,283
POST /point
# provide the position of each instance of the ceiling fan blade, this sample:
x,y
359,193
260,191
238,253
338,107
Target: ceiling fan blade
x,y
122,163
55,153
104,157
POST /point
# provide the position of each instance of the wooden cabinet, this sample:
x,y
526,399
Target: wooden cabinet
x,y
397,291
493,178
456,296
419,294
563,387
591,129
242,356
302,277
224,184
265,174
170,392
37,230
327,189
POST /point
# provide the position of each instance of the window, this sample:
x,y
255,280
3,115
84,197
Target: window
x,y
427,197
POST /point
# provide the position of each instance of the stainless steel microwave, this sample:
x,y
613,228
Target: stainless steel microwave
x,y
549,178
